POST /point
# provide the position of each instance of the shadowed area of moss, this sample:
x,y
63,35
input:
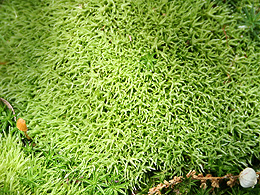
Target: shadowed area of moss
x,y
114,90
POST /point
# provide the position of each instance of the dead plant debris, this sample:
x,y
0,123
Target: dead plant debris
x,y
232,180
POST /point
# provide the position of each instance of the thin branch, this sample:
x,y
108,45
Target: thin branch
x,y
225,34
192,174
9,106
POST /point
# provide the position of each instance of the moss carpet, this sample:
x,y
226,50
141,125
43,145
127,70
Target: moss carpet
x,y
120,95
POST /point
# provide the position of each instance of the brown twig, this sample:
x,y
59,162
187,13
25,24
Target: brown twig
x,y
232,180
103,27
8,106
225,34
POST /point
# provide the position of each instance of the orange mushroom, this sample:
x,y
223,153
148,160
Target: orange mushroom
x,y
21,125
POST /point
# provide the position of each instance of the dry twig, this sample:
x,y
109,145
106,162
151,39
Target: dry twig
x,y
232,180
9,106
225,34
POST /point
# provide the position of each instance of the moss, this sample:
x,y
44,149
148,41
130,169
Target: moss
x,y
114,92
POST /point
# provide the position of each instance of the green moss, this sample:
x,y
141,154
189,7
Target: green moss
x,y
115,92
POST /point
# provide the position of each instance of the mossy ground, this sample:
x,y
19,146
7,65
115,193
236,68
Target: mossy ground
x,y
119,95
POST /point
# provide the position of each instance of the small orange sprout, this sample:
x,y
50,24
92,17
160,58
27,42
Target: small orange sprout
x,y
21,125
